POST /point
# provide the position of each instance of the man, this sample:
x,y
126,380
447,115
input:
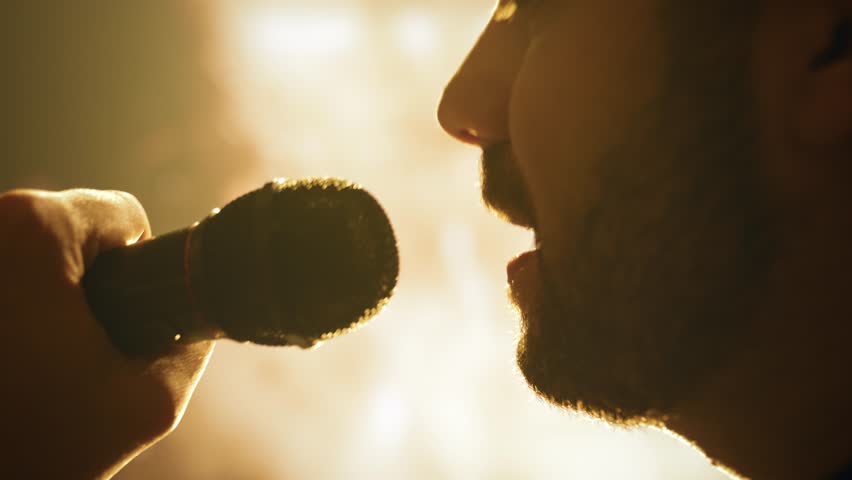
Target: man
x,y
685,168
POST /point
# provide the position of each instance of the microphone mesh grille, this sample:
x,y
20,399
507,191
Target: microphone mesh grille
x,y
299,259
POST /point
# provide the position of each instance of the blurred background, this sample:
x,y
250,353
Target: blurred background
x,y
189,103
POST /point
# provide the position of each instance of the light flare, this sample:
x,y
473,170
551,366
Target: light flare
x,y
292,33
506,12
416,34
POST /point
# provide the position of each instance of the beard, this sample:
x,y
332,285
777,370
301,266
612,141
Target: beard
x,y
664,272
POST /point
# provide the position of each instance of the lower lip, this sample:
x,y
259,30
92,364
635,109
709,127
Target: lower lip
x,y
522,266
524,276
525,288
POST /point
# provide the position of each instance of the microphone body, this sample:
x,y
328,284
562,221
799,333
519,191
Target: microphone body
x,y
292,263
141,294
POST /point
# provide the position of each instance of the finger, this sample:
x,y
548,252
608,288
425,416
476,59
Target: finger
x,y
182,367
109,219
105,220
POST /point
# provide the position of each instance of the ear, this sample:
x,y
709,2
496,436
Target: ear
x,y
824,113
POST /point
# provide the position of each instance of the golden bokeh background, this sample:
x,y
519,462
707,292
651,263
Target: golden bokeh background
x,y
429,389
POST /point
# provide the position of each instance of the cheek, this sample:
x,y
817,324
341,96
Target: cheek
x,y
579,90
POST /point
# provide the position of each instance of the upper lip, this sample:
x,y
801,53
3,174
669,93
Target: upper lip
x,y
503,188
512,213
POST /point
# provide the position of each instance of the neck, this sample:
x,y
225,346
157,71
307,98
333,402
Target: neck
x,y
781,409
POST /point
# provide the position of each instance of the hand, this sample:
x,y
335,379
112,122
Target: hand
x,y
73,406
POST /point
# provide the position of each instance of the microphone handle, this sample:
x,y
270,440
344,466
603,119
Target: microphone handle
x,y
141,294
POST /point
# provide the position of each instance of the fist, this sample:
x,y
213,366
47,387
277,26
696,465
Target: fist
x,y
73,405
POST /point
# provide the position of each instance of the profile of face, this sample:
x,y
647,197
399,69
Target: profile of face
x,y
623,135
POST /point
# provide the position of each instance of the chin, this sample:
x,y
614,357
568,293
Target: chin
x,y
577,367
588,392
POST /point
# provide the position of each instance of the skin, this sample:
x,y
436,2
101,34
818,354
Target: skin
x,y
579,95
109,96
60,363
685,173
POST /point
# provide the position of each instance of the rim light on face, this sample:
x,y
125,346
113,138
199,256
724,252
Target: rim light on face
x,y
506,11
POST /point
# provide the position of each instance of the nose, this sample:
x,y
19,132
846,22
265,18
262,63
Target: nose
x,y
475,104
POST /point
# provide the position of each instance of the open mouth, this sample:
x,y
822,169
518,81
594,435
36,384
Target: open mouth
x,y
504,192
525,260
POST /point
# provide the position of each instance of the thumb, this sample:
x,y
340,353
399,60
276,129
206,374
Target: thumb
x,y
104,220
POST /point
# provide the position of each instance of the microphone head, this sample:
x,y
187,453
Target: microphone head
x,y
294,262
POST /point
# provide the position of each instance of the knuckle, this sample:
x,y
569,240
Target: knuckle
x,y
18,203
126,196
23,211
162,424
153,408
32,220
164,417
107,205
132,202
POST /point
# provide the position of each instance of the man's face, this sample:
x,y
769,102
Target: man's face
x,y
621,133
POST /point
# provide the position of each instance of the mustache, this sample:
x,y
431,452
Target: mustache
x,y
503,187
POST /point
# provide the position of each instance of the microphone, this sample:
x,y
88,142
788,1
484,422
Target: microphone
x,y
295,262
